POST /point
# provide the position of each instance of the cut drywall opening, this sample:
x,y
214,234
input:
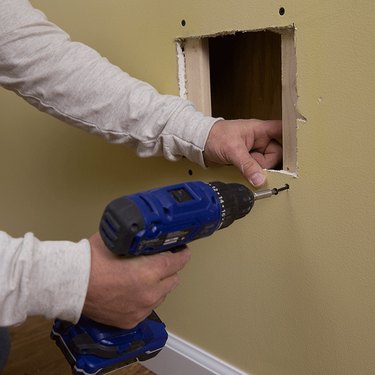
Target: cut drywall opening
x,y
244,75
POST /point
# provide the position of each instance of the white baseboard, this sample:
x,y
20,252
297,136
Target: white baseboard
x,y
182,358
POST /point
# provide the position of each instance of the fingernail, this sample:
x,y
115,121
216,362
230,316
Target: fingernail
x,y
257,179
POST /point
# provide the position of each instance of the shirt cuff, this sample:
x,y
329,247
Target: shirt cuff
x,y
186,133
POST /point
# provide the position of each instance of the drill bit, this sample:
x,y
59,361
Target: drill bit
x,y
269,192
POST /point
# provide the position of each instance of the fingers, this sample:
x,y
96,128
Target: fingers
x,y
162,280
167,264
154,297
252,165
165,287
249,167
271,157
273,129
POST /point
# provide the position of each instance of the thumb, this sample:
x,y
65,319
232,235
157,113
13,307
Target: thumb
x,y
250,168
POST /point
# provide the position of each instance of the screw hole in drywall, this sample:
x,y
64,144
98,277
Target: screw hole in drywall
x,y
183,23
282,11
190,172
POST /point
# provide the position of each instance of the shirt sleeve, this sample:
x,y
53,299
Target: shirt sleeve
x,y
48,278
73,82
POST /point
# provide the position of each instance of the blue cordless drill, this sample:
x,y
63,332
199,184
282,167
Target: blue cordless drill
x,y
145,223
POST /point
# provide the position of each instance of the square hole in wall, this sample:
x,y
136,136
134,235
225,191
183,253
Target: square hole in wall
x,y
245,75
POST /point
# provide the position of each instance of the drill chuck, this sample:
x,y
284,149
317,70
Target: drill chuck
x,y
236,201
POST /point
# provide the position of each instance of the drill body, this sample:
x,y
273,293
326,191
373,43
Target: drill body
x,y
162,219
169,217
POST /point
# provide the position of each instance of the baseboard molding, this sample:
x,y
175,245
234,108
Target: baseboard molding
x,y
180,357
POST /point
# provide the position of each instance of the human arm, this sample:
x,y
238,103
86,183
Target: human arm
x,y
62,278
71,81
74,83
46,278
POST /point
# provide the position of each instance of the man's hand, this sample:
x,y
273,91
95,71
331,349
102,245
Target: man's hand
x,y
123,292
250,145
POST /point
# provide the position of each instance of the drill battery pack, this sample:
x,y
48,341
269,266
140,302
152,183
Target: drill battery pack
x,y
93,348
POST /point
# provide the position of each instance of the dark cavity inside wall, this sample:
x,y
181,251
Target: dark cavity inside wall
x,y
245,75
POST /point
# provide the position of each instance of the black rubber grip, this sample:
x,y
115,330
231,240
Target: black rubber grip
x,y
120,223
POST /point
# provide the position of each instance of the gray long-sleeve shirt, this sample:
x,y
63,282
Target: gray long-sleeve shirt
x,y
73,82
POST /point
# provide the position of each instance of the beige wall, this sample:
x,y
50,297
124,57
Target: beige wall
x,y
289,289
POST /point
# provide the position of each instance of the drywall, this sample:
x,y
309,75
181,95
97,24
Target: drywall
x,y
289,290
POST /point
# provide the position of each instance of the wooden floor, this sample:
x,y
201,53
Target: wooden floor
x,y
34,353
